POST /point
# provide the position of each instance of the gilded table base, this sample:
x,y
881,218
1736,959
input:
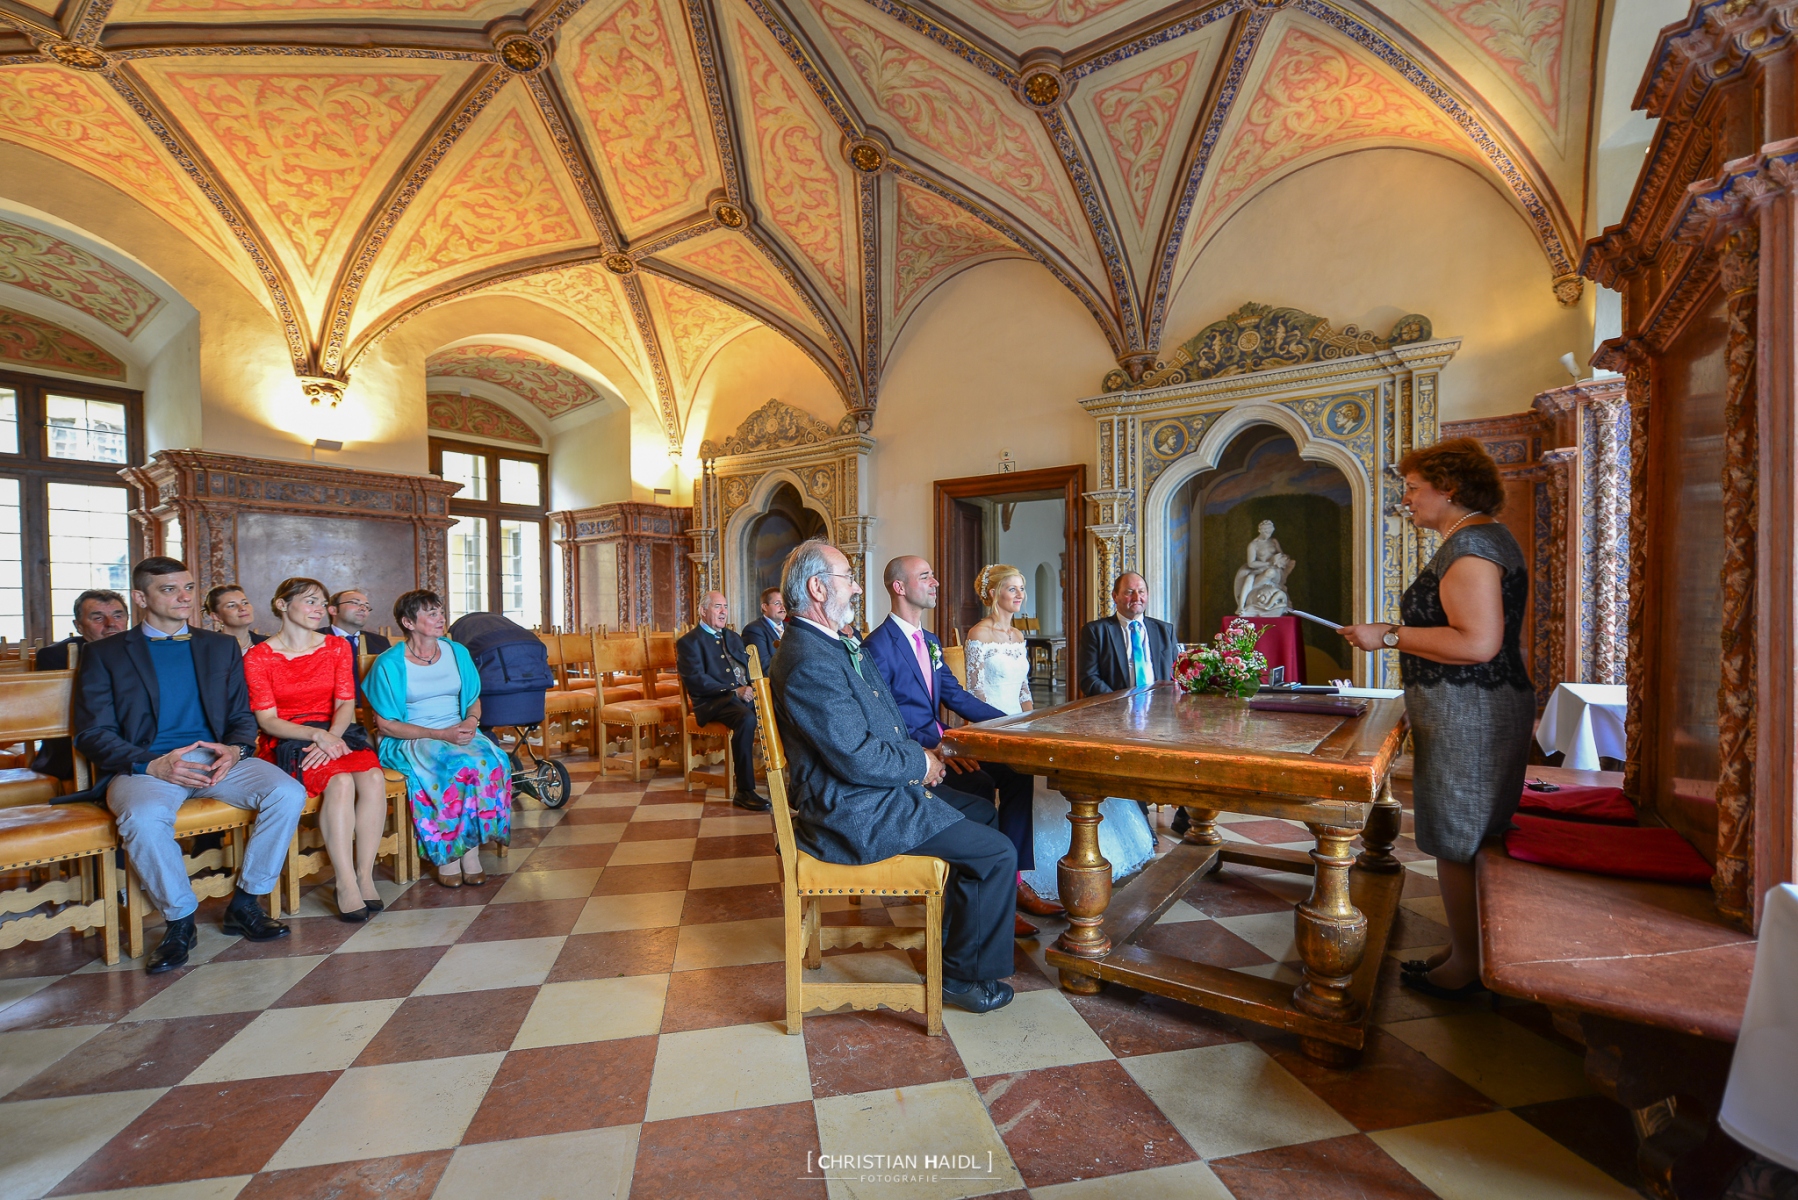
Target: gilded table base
x,y
1340,929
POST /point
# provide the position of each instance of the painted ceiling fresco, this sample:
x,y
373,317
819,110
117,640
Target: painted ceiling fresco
x,y
549,387
668,173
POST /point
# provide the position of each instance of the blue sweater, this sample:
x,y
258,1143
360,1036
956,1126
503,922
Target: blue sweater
x,y
180,721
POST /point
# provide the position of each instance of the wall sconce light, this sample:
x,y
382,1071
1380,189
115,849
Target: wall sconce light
x,y
1572,365
322,389
668,492
330,445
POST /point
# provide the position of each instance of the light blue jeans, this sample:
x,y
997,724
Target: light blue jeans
x,y
145,808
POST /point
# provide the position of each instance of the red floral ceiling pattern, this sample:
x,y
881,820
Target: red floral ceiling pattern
x,y
656,169
551,387
448,412
64,272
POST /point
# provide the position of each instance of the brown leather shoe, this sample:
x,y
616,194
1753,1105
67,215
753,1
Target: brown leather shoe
x,y
448,880
1035,905
474,878
1020,928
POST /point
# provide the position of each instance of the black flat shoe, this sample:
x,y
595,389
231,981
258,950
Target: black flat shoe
x,y
751,802
171,952
980,996
1467,991
246,917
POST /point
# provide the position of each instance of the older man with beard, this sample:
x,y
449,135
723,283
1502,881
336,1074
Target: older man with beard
x,y
864,787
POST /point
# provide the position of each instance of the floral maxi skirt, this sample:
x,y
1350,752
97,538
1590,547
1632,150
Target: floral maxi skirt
x,y
461,795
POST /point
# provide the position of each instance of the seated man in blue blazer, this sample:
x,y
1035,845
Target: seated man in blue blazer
x,y
714,668
163,714
1128,650
765,632
911,660
865,791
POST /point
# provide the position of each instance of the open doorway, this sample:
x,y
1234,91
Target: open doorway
x,y
1033,521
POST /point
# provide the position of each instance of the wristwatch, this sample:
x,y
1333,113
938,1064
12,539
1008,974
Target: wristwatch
x,y
1391,638
244,752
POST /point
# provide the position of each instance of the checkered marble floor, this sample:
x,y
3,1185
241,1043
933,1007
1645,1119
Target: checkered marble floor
x,y
604,1019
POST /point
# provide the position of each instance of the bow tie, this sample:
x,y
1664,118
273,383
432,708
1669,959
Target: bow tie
x,y
170,637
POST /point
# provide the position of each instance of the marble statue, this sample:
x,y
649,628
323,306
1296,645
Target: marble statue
x,y
1261,582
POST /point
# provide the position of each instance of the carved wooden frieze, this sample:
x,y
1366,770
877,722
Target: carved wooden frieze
x,y
637,553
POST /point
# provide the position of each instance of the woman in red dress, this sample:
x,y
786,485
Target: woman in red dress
x,y
302,685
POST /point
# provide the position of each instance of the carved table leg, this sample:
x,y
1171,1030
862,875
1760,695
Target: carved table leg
x,y
1203,828
1332,935
1085,880
1383,826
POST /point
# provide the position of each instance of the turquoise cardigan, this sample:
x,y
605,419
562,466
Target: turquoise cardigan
x,y
385,690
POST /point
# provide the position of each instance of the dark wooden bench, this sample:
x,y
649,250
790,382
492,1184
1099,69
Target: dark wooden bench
x,y
1647,976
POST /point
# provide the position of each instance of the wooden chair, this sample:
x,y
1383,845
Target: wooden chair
x,y
693,763
805,881
956,659
306,855
211,872
664,662
566,702
627,656
34,706
81,836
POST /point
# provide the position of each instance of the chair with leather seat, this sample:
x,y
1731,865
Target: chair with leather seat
x,y
806,882
34,706
80,836
628,656
692,761
210,872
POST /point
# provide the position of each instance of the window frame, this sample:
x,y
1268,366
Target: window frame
x,y
35,470
492,512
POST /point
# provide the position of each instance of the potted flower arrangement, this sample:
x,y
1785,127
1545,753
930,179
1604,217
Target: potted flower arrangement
x,y
1229,666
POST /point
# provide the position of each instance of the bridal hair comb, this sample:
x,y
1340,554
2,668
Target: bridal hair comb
x,y
990,577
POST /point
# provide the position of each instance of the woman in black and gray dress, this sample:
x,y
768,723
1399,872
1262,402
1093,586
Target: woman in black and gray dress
x,y
1467,690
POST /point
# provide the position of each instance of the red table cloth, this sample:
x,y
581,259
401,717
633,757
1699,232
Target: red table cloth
x,y
1281,644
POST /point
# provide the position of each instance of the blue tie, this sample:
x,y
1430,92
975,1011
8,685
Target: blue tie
x,y
1137,656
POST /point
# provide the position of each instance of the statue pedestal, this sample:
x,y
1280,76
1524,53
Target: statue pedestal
x,y
1281,643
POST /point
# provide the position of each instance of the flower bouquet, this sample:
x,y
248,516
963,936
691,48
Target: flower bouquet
x,y
1229,666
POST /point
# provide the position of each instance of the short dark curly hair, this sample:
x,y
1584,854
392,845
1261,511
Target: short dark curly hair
x,y
408,606
1461,468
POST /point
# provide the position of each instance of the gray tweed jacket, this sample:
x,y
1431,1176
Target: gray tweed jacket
x,y
853,770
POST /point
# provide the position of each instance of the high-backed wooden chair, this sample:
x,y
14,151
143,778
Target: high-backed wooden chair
x,y
956,659
34,706
664,663
211,872
805,881
306,856
627,656
569,700
693,764
81,836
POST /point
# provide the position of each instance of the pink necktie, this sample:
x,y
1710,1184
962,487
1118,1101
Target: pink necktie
x,y
917,643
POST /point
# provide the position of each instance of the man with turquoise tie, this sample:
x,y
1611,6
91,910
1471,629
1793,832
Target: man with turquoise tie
x,y
1127,650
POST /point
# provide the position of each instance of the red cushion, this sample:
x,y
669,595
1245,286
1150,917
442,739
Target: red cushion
x,y
1581,803
1657,854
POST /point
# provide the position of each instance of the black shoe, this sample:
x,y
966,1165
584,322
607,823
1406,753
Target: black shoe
x,y
374,906
356,916
751,801
1182,822
246,916
171,952
980,996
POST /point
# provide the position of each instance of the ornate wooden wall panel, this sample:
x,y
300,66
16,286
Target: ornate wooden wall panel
x,y
255,522
1704,260
623,566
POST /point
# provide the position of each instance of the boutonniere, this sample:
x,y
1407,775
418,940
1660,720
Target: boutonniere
x,y
936,654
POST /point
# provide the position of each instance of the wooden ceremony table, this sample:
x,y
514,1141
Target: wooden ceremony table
x,y
1214,754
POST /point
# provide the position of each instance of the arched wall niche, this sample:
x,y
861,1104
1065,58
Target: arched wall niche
x,y
780,492
1359,414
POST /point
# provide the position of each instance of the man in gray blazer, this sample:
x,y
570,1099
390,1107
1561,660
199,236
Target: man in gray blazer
x,y
863,786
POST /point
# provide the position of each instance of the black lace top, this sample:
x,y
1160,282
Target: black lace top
x,y
1421,605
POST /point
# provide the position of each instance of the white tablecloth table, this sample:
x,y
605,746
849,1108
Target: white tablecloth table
x,y
1758,1109
1584,721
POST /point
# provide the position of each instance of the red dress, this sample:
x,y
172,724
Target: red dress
x,y
307,688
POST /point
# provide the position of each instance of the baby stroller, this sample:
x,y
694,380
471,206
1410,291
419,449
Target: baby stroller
x,y
514,669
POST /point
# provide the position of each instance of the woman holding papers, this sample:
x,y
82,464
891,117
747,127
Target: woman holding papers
x,y
1467,689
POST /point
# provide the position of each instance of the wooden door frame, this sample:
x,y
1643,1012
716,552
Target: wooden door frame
x,y
1070,481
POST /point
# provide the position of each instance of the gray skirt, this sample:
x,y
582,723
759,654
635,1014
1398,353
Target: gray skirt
x,y
1473,747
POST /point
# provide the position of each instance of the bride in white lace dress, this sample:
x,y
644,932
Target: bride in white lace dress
x,y
999,673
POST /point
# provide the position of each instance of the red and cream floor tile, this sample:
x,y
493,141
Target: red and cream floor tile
x,y
606,1018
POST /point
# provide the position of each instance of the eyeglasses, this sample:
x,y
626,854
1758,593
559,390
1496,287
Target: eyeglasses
x,y
837,575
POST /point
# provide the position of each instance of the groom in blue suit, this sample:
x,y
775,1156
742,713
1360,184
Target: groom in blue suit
x,y
910,659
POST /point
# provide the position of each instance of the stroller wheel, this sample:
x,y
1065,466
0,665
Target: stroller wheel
x,y
552,783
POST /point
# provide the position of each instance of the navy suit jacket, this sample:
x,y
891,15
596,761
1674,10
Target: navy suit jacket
x,y
894,655
760,634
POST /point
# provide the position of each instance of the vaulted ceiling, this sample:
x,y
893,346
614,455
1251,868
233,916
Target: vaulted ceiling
x,y
670,173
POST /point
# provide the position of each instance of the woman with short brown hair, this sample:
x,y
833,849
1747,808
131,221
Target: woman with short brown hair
x,y
1467,691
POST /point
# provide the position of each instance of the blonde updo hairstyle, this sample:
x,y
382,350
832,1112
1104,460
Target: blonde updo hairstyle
x,y
986,584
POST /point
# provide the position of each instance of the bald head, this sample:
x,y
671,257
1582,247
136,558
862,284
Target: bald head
x,y
911,587
714,610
